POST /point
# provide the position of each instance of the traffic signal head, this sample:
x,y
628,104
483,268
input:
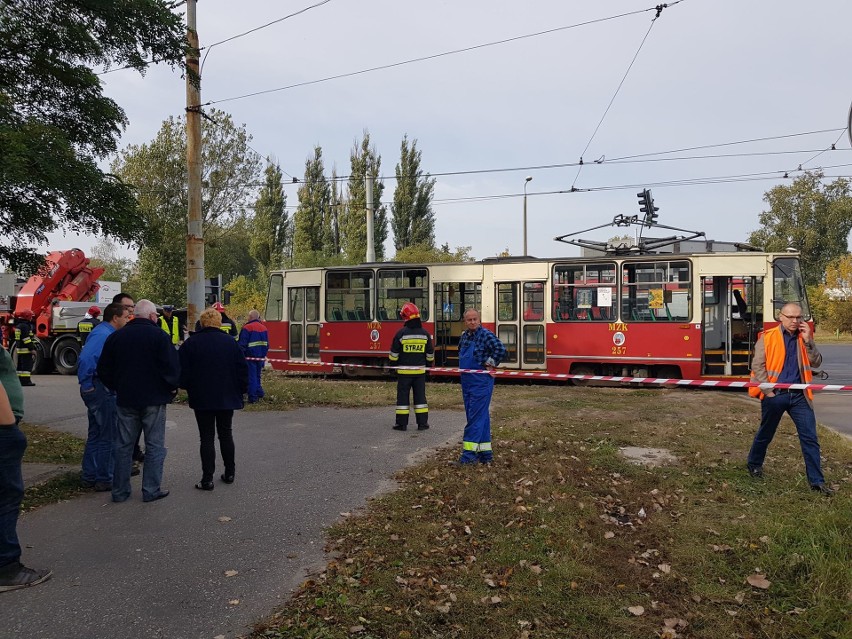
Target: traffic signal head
x,y
646,206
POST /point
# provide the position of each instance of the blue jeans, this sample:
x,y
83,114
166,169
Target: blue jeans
x,y
97,456
151,420
772,410
13,443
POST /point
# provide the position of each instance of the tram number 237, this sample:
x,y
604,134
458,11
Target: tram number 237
x,y
619,350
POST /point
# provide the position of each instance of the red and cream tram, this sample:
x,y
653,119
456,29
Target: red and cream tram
x,y
670,315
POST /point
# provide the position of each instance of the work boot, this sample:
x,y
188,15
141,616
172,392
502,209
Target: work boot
x,y
822,489
16,576
755,471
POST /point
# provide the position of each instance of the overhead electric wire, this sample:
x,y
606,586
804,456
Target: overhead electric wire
x,y
618,88
263,26
833,147
432,56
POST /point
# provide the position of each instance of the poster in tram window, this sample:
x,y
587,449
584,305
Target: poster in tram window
x,y
604,296
655,298
584,297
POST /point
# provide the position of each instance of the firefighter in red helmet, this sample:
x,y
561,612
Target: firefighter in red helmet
x,y
412,351
24,345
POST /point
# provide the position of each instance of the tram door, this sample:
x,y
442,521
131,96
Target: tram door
x,y
520,323
304,323
732,311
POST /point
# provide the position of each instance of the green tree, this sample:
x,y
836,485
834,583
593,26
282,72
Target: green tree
x,y
55,122
813,217
157,172
364,160
412,217
832,301
229,253
309,248
105,254
423,254
271,234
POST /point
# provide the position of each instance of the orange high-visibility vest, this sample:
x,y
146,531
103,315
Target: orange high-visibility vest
x,y
773,344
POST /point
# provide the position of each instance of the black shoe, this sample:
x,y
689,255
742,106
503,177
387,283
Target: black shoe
x,y
755,471
135,470
16,576
102,486
205,485
160,495
399,427
86,485
423,427
27,384
822,489
228,479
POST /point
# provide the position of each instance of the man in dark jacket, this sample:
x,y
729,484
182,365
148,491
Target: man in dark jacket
x,y
215,375
140,364
412,349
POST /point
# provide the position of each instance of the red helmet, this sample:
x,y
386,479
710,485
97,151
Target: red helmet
x,y
409,311
219,307
24,314
94,311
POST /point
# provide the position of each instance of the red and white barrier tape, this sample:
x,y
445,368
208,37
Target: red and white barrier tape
x,y
660,381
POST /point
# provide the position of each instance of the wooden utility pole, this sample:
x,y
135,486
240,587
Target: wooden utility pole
x,y
194,229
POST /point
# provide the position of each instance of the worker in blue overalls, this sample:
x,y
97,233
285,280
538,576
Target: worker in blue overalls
x,y
479,349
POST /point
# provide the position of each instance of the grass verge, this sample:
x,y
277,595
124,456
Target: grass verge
x,y
51,447
563,537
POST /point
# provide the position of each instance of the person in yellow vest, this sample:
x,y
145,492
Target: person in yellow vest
x,y
784,355
170,323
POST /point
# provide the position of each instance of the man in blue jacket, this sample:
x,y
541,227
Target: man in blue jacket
x,y
140,364
254,342
99,401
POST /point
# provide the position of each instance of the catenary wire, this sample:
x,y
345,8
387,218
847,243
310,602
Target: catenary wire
x,y
263,26
614,95
432,56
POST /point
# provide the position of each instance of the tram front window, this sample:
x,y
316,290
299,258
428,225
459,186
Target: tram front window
x,y
789,286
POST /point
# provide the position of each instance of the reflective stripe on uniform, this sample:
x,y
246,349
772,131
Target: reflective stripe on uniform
x,y
23,351
251,344
411,371
23,373
402,410
421,408
476,447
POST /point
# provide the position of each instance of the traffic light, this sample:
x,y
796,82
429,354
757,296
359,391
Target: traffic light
x,y
646,206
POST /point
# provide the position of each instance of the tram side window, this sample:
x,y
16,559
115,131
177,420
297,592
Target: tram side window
x,y
275,299
584,292
398,286
347,296
655,291
453,298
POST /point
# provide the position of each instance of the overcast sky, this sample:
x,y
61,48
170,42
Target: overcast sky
x,y
710,72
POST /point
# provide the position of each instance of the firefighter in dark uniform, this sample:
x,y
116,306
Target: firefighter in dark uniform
x,y
229,326
24,346
412,349
171,324
85,325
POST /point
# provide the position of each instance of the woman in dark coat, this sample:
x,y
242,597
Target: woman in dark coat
x,y
215,374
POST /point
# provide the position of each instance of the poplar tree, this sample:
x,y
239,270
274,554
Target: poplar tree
x,y
364,160
308,221
412,217
271,232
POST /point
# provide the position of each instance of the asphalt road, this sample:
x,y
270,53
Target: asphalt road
x,y
160,570
834,408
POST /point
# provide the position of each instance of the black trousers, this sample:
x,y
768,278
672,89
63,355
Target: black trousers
x,y
404,385
211,422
